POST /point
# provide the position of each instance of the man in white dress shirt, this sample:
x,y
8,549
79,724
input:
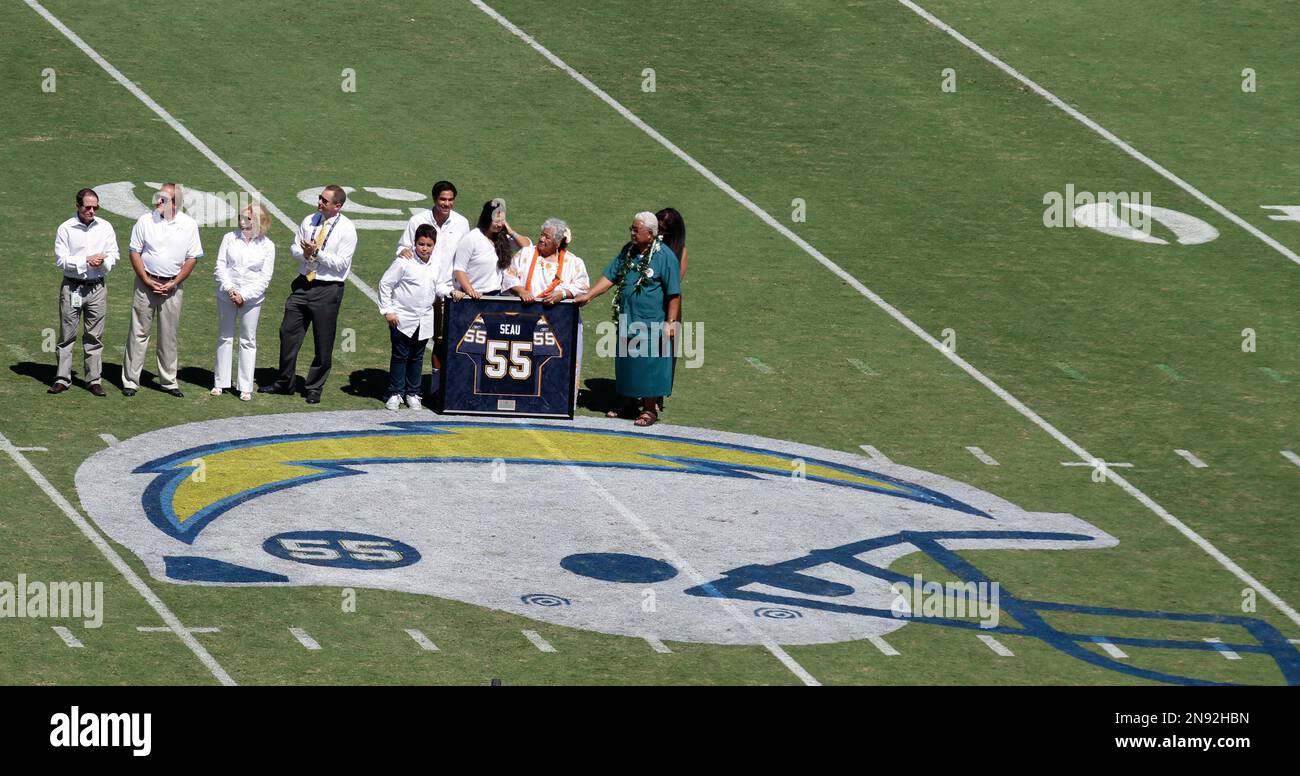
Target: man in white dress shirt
x,y
164,249
323,247
85,249
450,227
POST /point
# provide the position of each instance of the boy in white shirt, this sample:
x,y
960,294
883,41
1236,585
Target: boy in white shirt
x,y
407,293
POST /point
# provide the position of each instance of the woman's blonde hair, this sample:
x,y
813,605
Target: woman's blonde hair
x,y
261,219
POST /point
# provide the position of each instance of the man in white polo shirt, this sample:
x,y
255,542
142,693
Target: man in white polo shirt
x,y
85,249
164,249
450,226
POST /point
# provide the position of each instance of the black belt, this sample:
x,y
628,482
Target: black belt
x,y
82,283
319,282
160,277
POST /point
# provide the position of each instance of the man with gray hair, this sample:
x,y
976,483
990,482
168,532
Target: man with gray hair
x,y
646,279
164,249
85,249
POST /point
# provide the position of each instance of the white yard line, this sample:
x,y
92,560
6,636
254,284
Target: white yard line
x,y
189,136
113,558
984,457
996,645
657,645
69,639
304,639
109,440
542,644
897,315
1222,650
1105,133
1191,458
1292,457
422,640
883,646
875,454
160,629
1110,649
1097,464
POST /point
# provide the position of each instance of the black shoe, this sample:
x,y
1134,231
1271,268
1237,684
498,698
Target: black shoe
x,y
313,398
97,390
128,392
273,388
58,388
176,392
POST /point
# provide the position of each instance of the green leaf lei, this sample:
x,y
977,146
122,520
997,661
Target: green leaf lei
x,y
638,263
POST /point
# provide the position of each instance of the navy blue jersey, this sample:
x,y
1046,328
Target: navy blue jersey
x,y
509,351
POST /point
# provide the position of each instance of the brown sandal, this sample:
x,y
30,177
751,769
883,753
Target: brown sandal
x,y
646,418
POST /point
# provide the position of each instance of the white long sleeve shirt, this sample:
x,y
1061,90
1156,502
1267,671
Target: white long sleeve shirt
x,y
244,265
74,241
408,290
573,277
165,245
444,248
334,260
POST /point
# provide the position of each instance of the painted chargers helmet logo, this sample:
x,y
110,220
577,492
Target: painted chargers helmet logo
x,y
683,535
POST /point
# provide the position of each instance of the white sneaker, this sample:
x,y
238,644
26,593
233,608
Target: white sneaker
x,y
393,403
245,396
413,402
215,392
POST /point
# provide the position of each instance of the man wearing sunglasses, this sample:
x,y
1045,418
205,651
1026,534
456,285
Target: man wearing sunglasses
x,y
85,249
323,248
164,249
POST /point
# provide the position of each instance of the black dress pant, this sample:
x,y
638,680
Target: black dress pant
x,y
314,304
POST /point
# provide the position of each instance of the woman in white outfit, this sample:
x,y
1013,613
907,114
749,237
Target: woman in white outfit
x,y
548,273
483,255
243,272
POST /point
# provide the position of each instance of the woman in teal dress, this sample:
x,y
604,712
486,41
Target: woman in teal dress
x,y
647,303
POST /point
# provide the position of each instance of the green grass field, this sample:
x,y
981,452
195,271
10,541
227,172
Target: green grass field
x,y
931,198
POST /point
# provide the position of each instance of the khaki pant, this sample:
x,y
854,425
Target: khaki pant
x,y
92,314
145,305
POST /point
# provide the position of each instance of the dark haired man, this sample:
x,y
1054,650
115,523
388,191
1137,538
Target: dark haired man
x,y
450,226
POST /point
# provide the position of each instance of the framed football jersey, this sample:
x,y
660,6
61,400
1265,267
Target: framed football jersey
x,y
506,357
